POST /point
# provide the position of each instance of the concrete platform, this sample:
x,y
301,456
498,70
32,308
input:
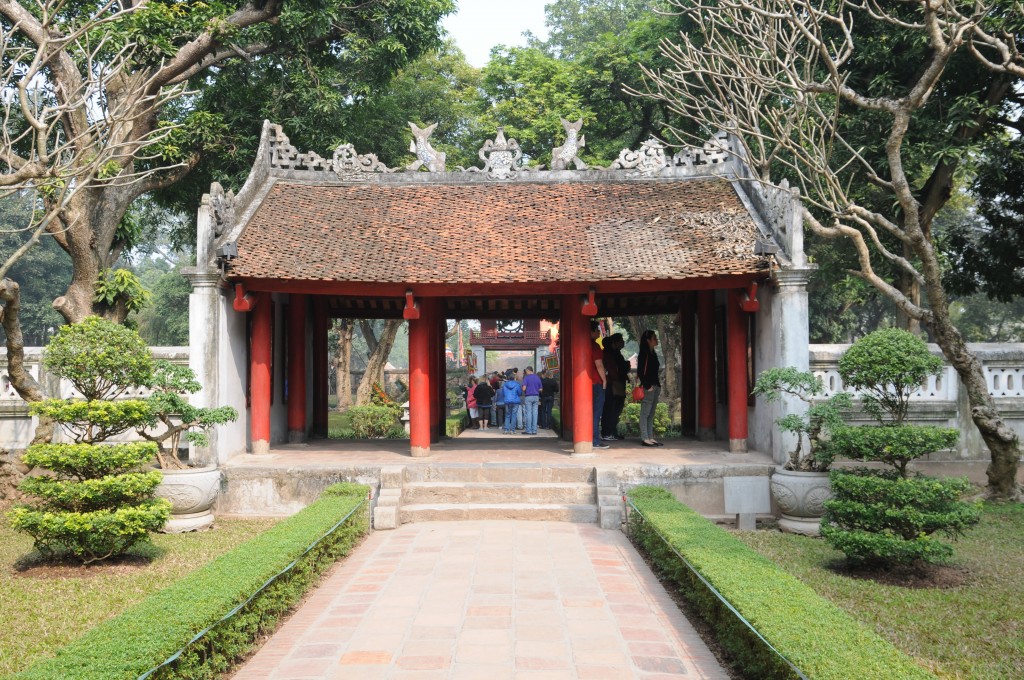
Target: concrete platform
x,y
488,601
291,476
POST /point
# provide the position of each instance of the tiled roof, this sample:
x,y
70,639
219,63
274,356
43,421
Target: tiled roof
x,y
499,232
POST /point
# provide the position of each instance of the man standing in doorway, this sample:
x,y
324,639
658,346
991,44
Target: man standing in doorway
x,y
595,368
531,400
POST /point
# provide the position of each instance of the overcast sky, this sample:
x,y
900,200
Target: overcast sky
x,y
479,25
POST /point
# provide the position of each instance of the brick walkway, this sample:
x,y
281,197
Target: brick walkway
x,y
488,601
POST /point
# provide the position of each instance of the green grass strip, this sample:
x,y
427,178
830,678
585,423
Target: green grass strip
x,y
791,620
148,634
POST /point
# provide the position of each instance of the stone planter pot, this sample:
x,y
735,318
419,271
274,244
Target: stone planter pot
x,y
801,497
191,493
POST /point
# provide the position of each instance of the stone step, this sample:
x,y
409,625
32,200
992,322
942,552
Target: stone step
x,y
546,512
572,493
525,473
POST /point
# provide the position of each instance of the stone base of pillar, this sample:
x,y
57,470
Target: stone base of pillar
x,y
261,447
705,434
737,446
580,449
296,436
419,451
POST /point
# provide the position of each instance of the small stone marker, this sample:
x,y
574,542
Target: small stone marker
x,y
745,497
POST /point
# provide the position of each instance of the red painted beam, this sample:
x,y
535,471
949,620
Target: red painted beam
x,y
244,301
500,290
706,365
260,354
565,369
737,366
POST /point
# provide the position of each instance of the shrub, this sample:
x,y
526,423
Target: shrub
x,y
100,358
800,625
889,444
886,367
149,633
880,516
373,421
95,504
820,418
890,516
629,422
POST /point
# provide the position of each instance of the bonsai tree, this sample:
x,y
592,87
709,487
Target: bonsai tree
x,y
814,424
95,501
169,406
891,515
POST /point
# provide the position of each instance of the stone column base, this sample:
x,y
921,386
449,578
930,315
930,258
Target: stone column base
x,y
419,451
737,445
582,449
296,436
260,447
705,434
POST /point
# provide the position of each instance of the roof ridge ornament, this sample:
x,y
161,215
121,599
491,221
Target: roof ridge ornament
x,y
350,165
649,161
426,155
502,157
568,154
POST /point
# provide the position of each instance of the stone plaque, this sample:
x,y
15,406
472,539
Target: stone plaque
x,y
747,495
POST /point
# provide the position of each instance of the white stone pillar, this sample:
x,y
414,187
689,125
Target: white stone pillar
x,y
791,345
203,340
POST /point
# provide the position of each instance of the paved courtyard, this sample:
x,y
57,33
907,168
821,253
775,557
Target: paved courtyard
x,y
488,600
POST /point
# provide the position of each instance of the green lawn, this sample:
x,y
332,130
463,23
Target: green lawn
x,y
44,611
972,631
339,425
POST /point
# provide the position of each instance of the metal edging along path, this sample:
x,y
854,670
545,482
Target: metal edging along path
x,y
174,657
714,591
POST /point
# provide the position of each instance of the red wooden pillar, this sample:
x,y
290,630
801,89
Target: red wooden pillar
x,y
736,321
421,389
706,365
582,385
688,363
320,323
260,352
297,368
433,307
568,302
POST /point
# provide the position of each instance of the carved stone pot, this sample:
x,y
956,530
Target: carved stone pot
x,y
191,493
801,497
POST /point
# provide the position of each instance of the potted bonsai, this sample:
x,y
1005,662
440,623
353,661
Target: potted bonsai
x,y
800,487
191,490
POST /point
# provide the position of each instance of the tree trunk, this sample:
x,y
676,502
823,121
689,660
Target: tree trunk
x,y
343,365
668,335
1003,443
11,469
375,365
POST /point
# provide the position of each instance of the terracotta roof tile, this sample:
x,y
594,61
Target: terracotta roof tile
x,y
499,232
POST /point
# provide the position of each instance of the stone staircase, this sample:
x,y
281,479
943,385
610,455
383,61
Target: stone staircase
x,y
474,491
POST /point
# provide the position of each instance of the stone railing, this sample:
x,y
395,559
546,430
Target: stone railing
x,y
15,421
1003,366
942,400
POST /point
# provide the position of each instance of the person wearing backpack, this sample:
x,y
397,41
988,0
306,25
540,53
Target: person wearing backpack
x,y
498,413
483,394
513,391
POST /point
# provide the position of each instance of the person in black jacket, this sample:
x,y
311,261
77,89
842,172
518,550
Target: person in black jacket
x,y
618,374
647,371
484,394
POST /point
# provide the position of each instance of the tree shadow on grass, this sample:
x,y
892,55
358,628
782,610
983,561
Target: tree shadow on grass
x,y
66,566
918,575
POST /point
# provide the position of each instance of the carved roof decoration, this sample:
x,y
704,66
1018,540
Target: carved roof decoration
x,y
649,215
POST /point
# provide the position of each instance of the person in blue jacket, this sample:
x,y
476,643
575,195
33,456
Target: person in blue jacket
x,y
512,389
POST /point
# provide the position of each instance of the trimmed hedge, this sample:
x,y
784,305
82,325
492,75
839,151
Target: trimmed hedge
x,y
454,425
151,632
816,636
